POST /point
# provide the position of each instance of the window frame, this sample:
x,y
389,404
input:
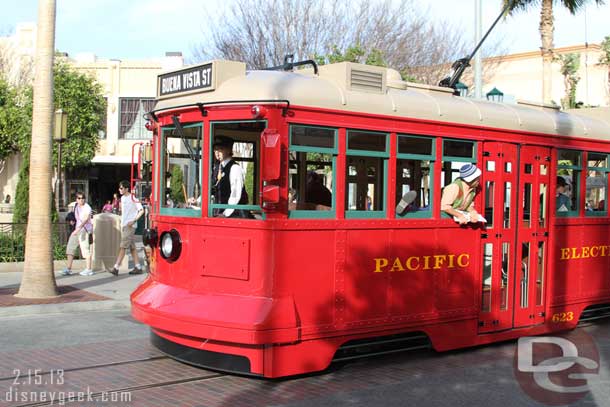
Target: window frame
x,y
452,158
605,171
334,151
385,156
178,212
144,133
419,157
574,212
255,163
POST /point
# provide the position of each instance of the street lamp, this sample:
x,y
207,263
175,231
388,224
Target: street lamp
x,y
495,95
462,89
59,135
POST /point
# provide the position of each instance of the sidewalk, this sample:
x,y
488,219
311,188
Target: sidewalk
x,y
102,291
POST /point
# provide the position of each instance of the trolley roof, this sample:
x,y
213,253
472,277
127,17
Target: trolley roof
x,y
367,89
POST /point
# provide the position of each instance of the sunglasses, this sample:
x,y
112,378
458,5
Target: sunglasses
x,y
80,197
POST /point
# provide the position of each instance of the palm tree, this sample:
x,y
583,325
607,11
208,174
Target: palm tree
x,y
546,31
38,280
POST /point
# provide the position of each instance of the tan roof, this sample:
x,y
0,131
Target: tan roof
x,y
374,90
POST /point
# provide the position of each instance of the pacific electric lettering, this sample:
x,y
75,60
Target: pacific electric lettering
x,y
416,263
585,252
186,80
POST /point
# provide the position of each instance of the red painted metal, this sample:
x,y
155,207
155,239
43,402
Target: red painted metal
x,y
286,293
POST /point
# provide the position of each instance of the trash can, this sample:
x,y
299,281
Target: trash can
x,y
106,240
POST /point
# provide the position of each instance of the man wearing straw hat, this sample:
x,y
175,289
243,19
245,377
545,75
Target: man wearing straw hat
x,y
458,197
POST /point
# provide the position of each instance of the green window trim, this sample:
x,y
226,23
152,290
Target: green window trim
x,y
422,214
385,155
334,151
606,171
311,149
408,156
182,212
472,159
212,206
368,153
576,179
314,214
419,214
354,214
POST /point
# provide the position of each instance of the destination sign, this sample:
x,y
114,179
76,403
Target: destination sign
x,y
199,77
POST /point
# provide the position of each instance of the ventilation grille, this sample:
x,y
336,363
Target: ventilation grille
x,y
366,81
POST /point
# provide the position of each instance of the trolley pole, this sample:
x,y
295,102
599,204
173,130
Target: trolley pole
x,y
478,82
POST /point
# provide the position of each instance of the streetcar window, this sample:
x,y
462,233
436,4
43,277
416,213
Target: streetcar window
x,y
309,136
459,149
597,184
456,153
311,170
414,165
414,145
244,139
366,141
540,274
568,182
486,297
366,172
181,175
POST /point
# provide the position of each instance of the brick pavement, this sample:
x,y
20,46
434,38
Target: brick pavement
x,y
467,375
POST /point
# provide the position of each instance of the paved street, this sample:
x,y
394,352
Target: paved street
x,y
106,354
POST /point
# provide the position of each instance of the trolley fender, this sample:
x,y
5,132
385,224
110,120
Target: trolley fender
x,y
222,310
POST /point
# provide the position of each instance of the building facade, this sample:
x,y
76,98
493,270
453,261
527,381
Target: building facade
x,y
520,76
129,88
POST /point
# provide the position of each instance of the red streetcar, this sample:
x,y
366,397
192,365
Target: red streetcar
x,y
318,264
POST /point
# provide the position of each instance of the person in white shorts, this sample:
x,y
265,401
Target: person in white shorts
x,y
131,211
80,236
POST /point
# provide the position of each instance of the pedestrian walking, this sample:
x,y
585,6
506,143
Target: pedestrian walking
x,y
131,211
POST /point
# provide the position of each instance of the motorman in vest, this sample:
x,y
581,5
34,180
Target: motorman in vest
x,y
229,188
458,197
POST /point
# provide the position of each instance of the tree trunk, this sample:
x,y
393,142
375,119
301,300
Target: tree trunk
x,y
38,280
546,36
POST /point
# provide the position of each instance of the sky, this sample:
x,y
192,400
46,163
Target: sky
x,y
140,29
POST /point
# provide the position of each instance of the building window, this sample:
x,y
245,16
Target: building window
x,y
103,132
597,184
131,118
366,172
569,167
414,163
312,171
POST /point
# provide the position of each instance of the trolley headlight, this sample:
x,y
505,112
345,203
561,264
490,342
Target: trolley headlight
x,y
171,246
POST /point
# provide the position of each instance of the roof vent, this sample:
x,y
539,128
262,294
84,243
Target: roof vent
x,y
367,80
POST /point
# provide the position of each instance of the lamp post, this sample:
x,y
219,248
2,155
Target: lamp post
x,y
59,133
495,95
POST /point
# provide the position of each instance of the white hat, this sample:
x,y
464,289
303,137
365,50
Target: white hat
x,y
469,172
